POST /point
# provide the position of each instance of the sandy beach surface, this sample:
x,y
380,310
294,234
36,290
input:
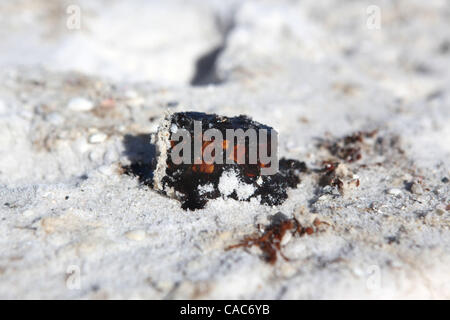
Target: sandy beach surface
x,y
78,103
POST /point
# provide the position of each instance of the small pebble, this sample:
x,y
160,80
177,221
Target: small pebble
x,y
96,154
133,98
131,94
394,192
81,145
342,170
106,170
136,235
80,104
416,188
28,213
287,237
97,138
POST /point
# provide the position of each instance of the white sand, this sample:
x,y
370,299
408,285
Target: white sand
x,y
73,226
